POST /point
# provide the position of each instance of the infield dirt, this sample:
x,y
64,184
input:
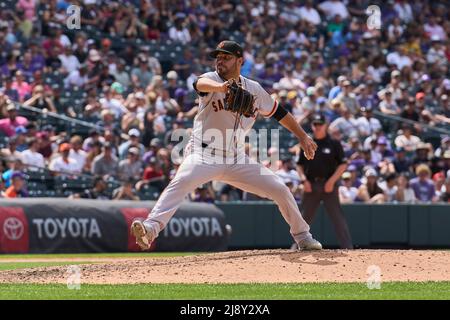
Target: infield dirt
x,y
256,266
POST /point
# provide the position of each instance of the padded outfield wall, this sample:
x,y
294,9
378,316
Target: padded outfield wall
x,y
260,225
48,225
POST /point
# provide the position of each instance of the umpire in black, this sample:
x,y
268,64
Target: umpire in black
x,y
320,176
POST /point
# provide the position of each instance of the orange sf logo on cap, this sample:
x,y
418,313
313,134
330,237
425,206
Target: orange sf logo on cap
x,y
221,45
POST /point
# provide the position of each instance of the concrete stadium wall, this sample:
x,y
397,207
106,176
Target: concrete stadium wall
x,y
260,225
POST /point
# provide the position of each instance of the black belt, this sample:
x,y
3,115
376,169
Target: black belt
x,y
318,179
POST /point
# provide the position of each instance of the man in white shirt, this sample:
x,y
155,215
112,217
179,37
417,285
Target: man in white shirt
x,y
69,62
406,140
309,13
77,78
179,32
64,164
332,8
404,11
347,193
367,124
433,29
399,58
112,104
31,157
77,153
346,124
288,173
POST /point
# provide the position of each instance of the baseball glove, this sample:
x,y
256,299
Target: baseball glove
x,y
239,100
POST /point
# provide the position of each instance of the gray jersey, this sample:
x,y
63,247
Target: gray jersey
x,y
213,120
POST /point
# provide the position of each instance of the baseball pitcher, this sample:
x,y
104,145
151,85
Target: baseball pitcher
x,y
229,102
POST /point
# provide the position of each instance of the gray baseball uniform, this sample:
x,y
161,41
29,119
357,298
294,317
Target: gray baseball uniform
x,y
211,123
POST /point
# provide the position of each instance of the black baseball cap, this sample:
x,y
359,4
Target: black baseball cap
x,y
228,46
319,118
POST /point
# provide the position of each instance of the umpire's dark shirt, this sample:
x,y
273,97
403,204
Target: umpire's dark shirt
x,y
328,157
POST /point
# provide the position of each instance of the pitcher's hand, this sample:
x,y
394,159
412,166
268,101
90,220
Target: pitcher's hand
x,y
309,147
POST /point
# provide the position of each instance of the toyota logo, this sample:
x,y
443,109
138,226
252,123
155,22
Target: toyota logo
x,y
13,228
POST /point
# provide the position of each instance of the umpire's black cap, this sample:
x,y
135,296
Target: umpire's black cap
x,y
319,118
228,46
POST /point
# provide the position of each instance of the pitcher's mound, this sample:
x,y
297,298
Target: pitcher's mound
x,y
257,266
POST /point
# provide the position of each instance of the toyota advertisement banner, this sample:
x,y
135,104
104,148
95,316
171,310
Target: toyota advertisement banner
x,y
63,226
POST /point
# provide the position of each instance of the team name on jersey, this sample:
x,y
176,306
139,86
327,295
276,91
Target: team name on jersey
x,y
219,105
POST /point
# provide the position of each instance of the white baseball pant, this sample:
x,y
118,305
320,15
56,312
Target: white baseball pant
x,y
195,171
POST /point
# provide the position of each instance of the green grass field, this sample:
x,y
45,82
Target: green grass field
x,y
389,290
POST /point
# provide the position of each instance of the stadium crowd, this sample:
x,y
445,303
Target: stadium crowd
x,y
129,72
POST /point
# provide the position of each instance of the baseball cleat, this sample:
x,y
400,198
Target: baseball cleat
x,y
144,238
309,244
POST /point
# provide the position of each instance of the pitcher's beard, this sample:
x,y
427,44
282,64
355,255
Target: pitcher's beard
x,y
222,74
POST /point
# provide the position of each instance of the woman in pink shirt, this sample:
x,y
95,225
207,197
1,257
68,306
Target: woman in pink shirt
x,y
28,6
22,87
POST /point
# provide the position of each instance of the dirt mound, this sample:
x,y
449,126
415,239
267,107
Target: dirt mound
x,y
258,266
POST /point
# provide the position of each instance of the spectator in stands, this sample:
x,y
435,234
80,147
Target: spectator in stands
x,y
404,192
422,155
438,179
94,137
390,187
95,150
10,151
178,32
18,187
347,192
97,192
77,153
77,78
153,175
31,157
64,164
133,141
204,193
131,167
406,140
172,85
14,165
8,125
367,123
365,98
21,138
45,143
445,194
422,185
7,91
288,173
370,191
409,112
348,98
110,102
388,104
309,13
105,164
346,124
141,76
69,61
121,75
23,88
41,100
125,192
